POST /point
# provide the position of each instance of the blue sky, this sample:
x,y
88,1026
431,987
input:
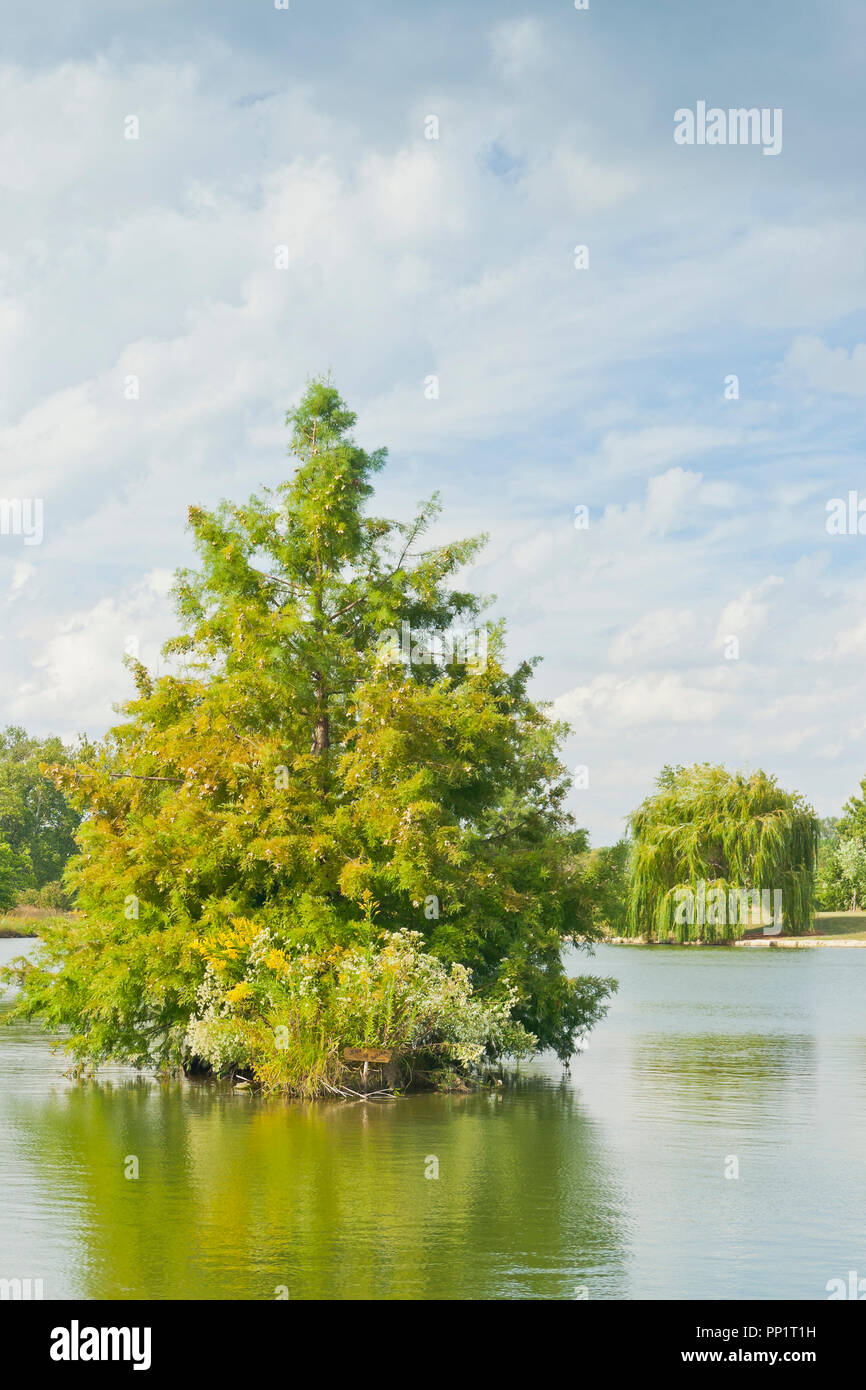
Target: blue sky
x,y
558,387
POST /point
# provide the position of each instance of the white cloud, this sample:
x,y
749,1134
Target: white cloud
x,y
670,500
665,632
615,703
409,257
811,363
571,179
849,641
745,615
655,446
79,673
518,46
22,573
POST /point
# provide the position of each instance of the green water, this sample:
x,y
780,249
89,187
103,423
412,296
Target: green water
x,y
608,1183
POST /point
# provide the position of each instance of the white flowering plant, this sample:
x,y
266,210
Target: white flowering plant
x,y
284,1015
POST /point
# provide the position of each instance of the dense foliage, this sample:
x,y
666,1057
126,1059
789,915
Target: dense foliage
x,y
37,823
710,832
852,823
15,873
840,883
605,876
308,770
286,1017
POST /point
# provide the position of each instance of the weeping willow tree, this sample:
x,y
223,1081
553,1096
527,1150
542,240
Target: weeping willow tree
x,y
714,853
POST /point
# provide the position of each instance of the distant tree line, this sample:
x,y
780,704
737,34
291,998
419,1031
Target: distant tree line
x,y
841,877
37,822
726,834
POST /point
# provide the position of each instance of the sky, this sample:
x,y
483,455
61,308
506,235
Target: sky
x,y
396,192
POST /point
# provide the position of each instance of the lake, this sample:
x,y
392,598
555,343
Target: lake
x,y
709,1143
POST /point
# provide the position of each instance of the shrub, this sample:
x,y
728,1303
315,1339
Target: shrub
x,y
52,896
284,1016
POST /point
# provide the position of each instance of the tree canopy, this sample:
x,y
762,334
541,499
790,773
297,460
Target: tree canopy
x,y
37,823
840,884
717,836
852,822
604,872
338,753
16,873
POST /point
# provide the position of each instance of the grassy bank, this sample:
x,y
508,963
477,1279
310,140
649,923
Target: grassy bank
x,y
11,926
831,929
27,921
848,926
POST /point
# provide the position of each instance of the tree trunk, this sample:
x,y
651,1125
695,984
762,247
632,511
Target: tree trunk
x,y
322,728
321,735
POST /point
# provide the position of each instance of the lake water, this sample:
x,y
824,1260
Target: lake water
x,y
606,1183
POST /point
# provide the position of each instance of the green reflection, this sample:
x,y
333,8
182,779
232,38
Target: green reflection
x,y
237,1195
719,1074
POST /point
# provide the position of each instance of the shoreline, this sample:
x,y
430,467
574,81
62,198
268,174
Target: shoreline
x,y
790,943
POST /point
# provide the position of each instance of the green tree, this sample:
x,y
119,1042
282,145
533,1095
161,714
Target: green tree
x,y
853,819
841,879
16,872
831,891
849,862
326,763
36,819
710,831
605,877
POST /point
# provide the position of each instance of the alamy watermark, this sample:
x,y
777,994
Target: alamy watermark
x,y
77,1343
721,907
21,1290
434,648
854,1287
23,516
739,125
846,516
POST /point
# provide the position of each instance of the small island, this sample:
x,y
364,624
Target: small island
x,y
333,826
